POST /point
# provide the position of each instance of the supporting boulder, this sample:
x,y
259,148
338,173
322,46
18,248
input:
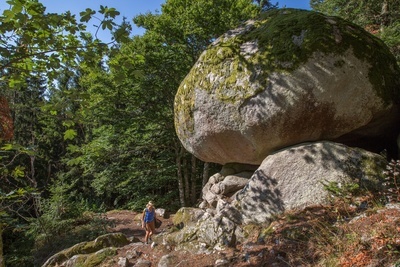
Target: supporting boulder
x,y
297,177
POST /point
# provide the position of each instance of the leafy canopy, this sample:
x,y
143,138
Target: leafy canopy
x,y
33,41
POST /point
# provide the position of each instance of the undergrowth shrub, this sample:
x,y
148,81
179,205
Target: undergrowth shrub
x,y
61,223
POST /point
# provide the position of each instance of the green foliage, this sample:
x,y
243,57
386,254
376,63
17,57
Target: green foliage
x,y
193,25
33,41
63,222
377,16
391,36
17,247
70,134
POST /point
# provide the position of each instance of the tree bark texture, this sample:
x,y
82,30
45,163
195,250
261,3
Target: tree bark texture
x,y
179,150
186,178
206,175
2,263
193,194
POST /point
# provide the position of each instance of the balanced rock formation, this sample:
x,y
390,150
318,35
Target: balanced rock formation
x,y
291,76
290,179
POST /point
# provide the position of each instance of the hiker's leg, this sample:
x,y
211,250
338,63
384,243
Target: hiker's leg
x,y
152,229
148,231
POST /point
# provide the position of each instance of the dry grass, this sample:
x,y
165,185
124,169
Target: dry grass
x,y
340,234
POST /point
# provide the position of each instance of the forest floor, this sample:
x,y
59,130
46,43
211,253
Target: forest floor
x,y
140,254
124,221
336,235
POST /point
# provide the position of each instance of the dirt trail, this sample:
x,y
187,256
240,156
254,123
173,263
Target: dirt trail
x,y
139,254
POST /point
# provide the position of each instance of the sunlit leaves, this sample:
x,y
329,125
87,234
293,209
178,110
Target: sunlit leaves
x,y
70,134
376,16
15,194
33,41
19,171
8,15
87,14
17,148
7,147
109,12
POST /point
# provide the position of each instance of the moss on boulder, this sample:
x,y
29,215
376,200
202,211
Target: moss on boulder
x,y
186,216
89,252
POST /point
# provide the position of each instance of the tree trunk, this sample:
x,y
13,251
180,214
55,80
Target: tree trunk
x,y
2,263
384,15
32,178
186,178
178,155
193,179
206,170
6,120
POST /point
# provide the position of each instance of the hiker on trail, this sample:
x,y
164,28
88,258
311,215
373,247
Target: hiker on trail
x,y
148,221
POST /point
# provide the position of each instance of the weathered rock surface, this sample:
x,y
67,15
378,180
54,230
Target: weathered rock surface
x,y
161,212
226,183
289,77
187,216
297,177
166,261
203,234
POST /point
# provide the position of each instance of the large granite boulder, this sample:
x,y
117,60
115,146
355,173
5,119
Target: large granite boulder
x,y
288,77
302,175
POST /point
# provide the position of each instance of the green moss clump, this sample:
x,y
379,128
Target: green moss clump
x,y
184,215
108,240
96,258
81,248
88,248
374,170
79,261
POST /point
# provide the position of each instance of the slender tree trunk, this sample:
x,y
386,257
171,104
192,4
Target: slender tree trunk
x,y
178,155
193,179
6,120
384,15
2,263
206,170
32,178
186,178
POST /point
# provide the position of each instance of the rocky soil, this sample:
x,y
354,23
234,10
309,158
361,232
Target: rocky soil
x,y
341,234
139,254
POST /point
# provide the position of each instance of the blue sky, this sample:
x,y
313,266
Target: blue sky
x,y
127,8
